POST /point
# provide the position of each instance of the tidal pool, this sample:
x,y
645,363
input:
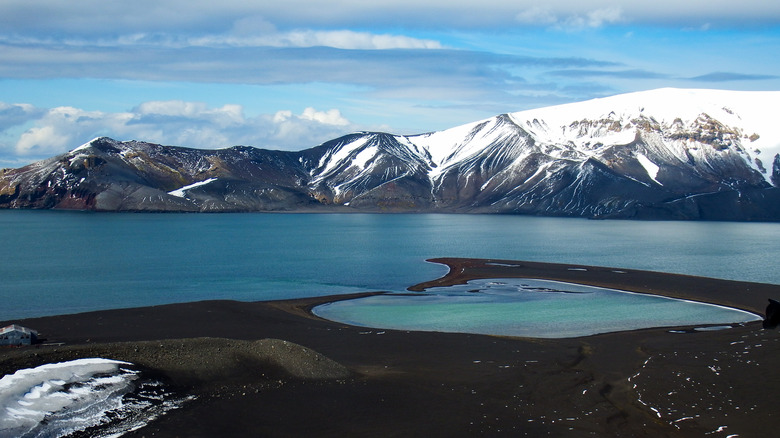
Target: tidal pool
x,y
527,307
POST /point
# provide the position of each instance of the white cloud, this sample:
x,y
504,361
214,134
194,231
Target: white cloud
x,y
600,17
269,37
191,124
171,108
347,39
224,116
330,117
537,16
59,128
32,140
309,128
545,16
282,116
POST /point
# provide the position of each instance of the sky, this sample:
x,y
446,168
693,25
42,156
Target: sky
x,y
291,75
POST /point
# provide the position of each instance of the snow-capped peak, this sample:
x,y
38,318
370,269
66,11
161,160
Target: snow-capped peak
x,y
677,118
86,145
749,111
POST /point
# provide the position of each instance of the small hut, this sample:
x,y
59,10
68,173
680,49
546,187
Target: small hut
x,y
17,335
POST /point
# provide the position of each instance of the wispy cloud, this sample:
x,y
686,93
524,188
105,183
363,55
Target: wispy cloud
x,y
620,74
566,20
731,77
391,69
339,39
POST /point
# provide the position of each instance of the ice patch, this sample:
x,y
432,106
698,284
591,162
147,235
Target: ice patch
x,y
712,328
364,156
650,167
337,157
181,191
58,399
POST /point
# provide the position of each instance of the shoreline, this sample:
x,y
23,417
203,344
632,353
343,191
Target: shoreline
x,y
256,368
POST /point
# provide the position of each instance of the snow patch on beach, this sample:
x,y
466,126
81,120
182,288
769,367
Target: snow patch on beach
x,y
58,399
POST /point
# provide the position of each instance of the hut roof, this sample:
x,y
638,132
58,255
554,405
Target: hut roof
x,y
15,327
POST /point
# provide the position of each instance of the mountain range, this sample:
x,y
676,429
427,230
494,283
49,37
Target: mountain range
x,y
661,154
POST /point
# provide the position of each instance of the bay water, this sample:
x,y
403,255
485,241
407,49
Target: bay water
x,y
57,262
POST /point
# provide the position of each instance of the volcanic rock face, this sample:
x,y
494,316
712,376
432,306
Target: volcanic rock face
x,y
776,171
106,174
668,154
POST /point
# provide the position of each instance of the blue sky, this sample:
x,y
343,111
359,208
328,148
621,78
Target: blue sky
x,y
291,75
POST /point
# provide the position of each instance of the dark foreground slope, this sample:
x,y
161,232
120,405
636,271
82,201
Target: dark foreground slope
x,y
649,383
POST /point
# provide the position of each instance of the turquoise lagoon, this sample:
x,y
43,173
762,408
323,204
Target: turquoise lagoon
x,y
57,262
527,307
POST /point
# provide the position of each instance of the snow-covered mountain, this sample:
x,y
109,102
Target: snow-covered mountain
x,y
669,153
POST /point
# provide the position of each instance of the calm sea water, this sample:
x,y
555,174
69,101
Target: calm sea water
x,y
65,262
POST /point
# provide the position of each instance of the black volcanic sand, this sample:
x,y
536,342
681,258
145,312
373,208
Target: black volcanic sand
x,y
273,369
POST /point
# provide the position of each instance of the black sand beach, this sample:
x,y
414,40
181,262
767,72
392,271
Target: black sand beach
x,y
273,369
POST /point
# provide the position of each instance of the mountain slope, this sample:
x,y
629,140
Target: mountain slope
x,y
672,154
105,174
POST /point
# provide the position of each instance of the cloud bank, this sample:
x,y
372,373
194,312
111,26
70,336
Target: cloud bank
x,y
440,73
94,17
191,124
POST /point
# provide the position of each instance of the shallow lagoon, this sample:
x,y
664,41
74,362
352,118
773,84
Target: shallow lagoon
x,y
527,307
